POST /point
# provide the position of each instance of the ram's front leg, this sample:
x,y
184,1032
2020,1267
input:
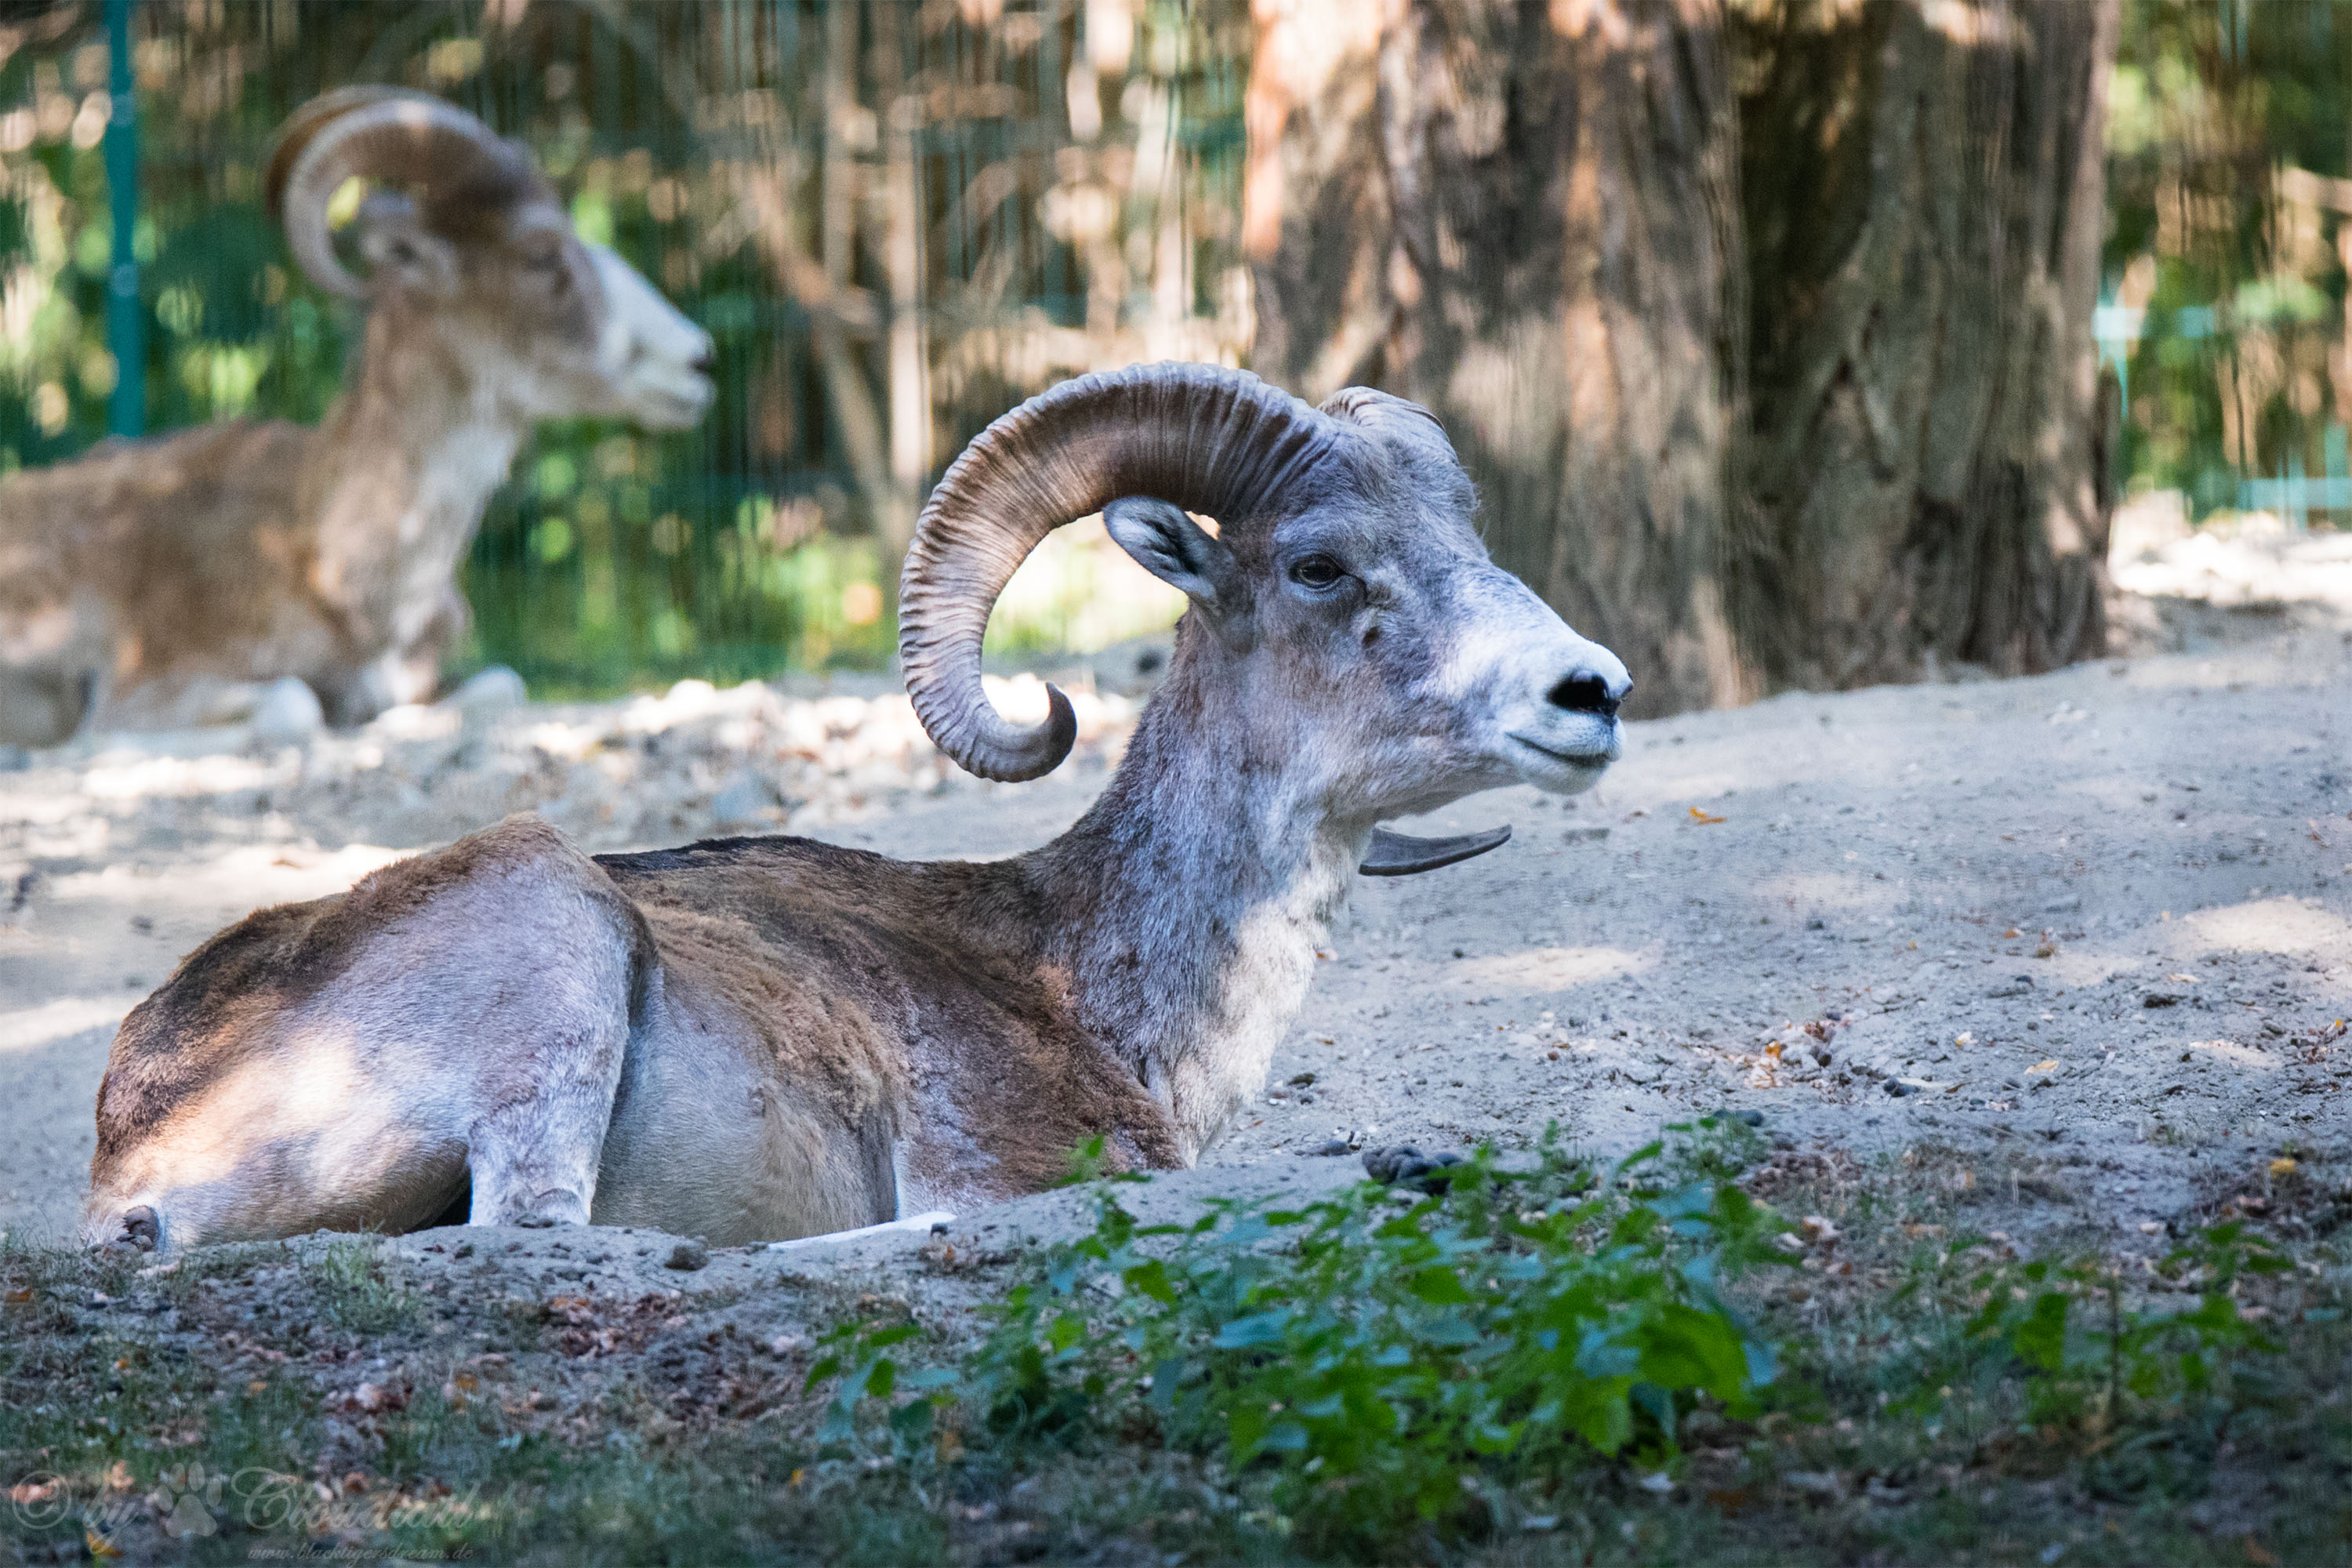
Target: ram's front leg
x,y
564,966
547,1093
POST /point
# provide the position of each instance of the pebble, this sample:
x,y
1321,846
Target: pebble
x,y
489,694
288,714
687,1257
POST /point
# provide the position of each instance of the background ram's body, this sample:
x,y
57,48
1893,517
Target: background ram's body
x,y
158,583
148,577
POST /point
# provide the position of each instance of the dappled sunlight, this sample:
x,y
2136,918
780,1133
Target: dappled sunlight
x,y
2231,1053
1823,893
2281,925
220,774
314,1083
27,1028
264,873
1548,969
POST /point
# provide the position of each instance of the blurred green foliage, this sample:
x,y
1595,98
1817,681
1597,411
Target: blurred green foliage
x,y
2229,185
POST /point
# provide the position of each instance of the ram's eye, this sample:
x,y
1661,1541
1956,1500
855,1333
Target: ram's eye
x,y
1317,572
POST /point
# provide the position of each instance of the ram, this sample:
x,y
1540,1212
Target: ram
x,y
165,582
771,1037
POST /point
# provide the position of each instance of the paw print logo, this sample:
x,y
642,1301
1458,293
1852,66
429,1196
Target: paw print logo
x,y
39,1501
183,1498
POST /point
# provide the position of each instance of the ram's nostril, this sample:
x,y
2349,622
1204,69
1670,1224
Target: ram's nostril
x,y
1584,692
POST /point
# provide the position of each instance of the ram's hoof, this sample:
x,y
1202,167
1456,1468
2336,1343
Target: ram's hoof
x,y
552,1209
141,1230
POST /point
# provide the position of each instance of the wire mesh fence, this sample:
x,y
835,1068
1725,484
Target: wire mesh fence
x,y
896,218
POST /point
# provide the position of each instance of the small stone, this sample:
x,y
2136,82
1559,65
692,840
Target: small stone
x,y
490,693
687,1257
288,714
2162,998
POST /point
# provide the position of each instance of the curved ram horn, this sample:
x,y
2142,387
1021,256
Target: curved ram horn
x,y
1214,441
1401,853
386,133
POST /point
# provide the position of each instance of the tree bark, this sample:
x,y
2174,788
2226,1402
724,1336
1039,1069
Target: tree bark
x,y
1524,216
1766,336
1924,195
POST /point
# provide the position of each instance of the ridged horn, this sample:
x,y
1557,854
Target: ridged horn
x,y
386,133
1214,441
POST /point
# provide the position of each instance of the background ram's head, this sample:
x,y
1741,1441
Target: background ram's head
x,y
465,243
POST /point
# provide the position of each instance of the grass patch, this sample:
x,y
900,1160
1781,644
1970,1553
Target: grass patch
x,y
1524,1360
359,1285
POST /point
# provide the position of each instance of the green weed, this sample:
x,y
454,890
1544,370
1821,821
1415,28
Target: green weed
x,y
361,1287
1388,1360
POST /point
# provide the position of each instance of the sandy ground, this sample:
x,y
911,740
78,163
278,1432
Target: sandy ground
x,y
2096,924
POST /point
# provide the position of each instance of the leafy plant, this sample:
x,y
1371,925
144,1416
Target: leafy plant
x,y
2088,1357
1395,1360
854,1357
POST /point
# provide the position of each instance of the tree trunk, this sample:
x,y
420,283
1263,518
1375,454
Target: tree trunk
x,y
1522,217
1924,193
1791,387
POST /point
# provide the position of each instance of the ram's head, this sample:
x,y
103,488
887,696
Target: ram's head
x,y
463,239
1348,633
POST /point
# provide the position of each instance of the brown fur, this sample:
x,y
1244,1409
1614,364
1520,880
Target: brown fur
x,y
877,991
857,964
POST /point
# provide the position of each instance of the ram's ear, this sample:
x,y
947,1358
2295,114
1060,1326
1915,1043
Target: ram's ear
x,y
1170,545
401,252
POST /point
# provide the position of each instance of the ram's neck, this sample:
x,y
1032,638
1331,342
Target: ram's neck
x,y
400,473
1188,904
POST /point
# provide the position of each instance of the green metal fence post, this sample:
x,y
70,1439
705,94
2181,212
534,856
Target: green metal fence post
x,y
126,317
